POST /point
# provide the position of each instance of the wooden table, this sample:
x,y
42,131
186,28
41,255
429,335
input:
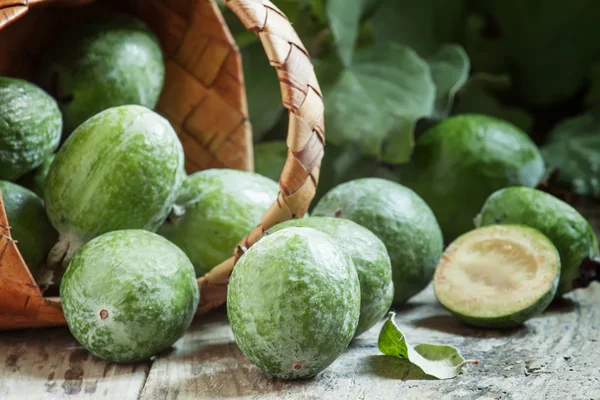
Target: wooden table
x,y
555,356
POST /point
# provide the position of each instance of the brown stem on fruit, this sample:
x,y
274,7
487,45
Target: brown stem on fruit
x,y
589,272
104,314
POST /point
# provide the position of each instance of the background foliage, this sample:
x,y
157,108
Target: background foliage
x,y
389,68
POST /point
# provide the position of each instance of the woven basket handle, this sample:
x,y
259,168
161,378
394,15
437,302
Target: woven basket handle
x,y
305,139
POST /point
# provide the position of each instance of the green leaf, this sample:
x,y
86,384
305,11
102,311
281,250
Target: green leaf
x,y
450,71
439,361
343,164
344,18
593,95
423,25
262,90
376,102
477,97
485,50
550,46
574,148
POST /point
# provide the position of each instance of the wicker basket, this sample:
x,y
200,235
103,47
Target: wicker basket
x,y
203,98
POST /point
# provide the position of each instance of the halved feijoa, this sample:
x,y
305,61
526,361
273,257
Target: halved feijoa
x,y
498,276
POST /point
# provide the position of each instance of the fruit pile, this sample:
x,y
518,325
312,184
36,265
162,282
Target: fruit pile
x,y
85,216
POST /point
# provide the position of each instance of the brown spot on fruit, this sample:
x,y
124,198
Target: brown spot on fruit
x,y
338,213
104,314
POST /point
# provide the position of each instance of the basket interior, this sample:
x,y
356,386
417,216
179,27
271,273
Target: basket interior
x,y
203,97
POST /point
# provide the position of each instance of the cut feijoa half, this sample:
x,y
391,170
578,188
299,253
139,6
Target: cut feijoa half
x,y
498,276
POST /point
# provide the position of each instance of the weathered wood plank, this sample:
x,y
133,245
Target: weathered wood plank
x,y
554,356
50,364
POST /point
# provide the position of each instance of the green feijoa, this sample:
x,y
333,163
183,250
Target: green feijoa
x,y
129,295
29,225
400,218
459,162
498,276
293,302
30,127
121,169
269,158
102,62
562,224
370,258
215,209
36,179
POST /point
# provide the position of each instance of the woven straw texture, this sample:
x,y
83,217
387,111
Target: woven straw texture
x,y
204,99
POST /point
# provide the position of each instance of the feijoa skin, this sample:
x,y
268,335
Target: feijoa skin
x,y
370,258
293,302
29,225
30,127
121,169
498,276
129,295
102,62
215,210
562,224
400,218
459,162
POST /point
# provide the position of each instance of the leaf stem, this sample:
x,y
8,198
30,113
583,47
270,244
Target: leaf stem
x,y
462,364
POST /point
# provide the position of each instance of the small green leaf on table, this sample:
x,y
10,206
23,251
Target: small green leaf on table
x,y
574,149
450,70
439,361
375,102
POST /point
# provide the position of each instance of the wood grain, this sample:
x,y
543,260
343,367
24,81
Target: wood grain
x,y
554,356
50,364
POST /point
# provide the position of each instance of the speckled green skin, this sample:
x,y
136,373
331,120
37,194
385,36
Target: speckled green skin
x,y
513,320
293,302
101,63
121,169
562,224
269,158
400,218
30,127
29,225
36,179
370,258
144,283
215,209
458,163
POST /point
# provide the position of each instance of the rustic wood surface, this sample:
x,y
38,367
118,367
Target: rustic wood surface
x,y
554,356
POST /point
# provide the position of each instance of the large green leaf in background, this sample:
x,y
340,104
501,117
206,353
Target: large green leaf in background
x,y
574,148
344,20
549,45
344,17
478,97
375,102
593,96
449,70
424,25
262,90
